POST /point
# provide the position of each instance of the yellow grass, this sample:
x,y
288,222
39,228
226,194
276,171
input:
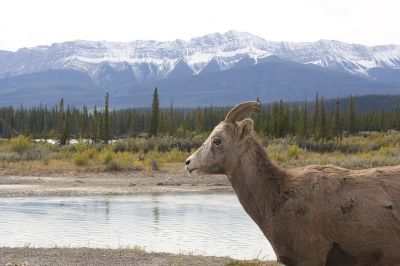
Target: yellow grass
x,y
354,152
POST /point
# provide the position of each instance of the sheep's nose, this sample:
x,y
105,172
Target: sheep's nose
x,y
187,162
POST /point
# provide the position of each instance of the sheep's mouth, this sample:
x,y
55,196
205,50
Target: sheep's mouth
x,y
191,170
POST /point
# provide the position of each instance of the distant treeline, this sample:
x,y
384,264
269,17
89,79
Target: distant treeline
x,y
318,119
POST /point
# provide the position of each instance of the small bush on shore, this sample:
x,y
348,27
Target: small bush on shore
x,y
10,156
293,151
80,159
23,149
91,153
106,156
113,166
20,144
80,146
138,165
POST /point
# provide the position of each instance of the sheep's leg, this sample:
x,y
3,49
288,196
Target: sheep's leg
x,y
339,257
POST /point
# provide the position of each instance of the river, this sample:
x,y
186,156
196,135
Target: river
x,y
212,224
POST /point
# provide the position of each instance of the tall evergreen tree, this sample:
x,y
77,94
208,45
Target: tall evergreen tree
x,y
281,119
155,114
94,134
322,121
85,122
352,127
259,119
105,130
67,128
45,123
63,127
315,116
336,129
304,120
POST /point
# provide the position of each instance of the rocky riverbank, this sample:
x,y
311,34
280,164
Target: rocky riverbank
x,y
26,256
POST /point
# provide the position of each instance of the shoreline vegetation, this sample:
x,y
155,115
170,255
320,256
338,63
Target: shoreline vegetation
x,y
139,165
24,256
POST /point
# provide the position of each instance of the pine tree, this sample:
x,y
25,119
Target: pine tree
x,y
259,119
171,124
85,122
155,114
304,121
94,134
275,123
352,116
45,124
281,119
105,129
322,121
315,117
336,123
25,125
63,126
67,127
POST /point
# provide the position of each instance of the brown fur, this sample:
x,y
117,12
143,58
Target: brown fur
x,y
314,215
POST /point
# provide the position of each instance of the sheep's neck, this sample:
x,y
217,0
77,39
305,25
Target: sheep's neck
x,y
258,183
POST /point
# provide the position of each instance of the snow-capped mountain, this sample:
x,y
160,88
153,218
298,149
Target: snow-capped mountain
x,y
153,60
216,69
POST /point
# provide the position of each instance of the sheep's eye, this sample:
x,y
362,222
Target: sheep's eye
x,y
217,141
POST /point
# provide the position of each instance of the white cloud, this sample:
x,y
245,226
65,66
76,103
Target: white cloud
x,y
30,23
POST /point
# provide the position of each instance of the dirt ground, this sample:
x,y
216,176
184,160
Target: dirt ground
x,y
22,182
87,256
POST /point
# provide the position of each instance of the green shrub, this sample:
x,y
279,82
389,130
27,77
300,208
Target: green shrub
x,y
106,156
125,159
69,148
161,144
138,165
80,146
293,152
91,153
80,159
112,166
20,144
36,152
10,156
120,146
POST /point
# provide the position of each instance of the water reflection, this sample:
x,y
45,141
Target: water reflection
x,y
156,214
107,207
207,223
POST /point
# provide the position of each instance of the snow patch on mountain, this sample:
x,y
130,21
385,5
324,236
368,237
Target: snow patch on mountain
x,y
149,60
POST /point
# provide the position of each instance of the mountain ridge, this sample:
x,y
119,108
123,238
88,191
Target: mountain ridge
x,y
228,48
218,69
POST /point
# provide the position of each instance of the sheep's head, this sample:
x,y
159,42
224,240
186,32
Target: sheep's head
x,y
226,143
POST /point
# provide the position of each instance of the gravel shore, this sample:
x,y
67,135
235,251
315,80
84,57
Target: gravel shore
x,y
88,256
83,184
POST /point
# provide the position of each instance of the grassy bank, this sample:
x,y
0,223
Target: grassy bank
x,y
168,153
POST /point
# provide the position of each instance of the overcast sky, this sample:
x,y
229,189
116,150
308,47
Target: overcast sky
x,y
26,23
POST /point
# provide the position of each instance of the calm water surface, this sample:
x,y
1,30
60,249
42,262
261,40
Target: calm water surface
x,y
200,223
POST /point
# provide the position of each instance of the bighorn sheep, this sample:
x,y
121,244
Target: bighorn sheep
x,y
315,215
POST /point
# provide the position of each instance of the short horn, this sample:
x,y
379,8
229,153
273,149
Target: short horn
x,y
236,112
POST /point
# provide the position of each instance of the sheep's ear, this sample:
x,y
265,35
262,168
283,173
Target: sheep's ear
x,y
244,127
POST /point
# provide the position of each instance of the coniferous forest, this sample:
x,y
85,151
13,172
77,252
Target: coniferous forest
x,y
318,119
